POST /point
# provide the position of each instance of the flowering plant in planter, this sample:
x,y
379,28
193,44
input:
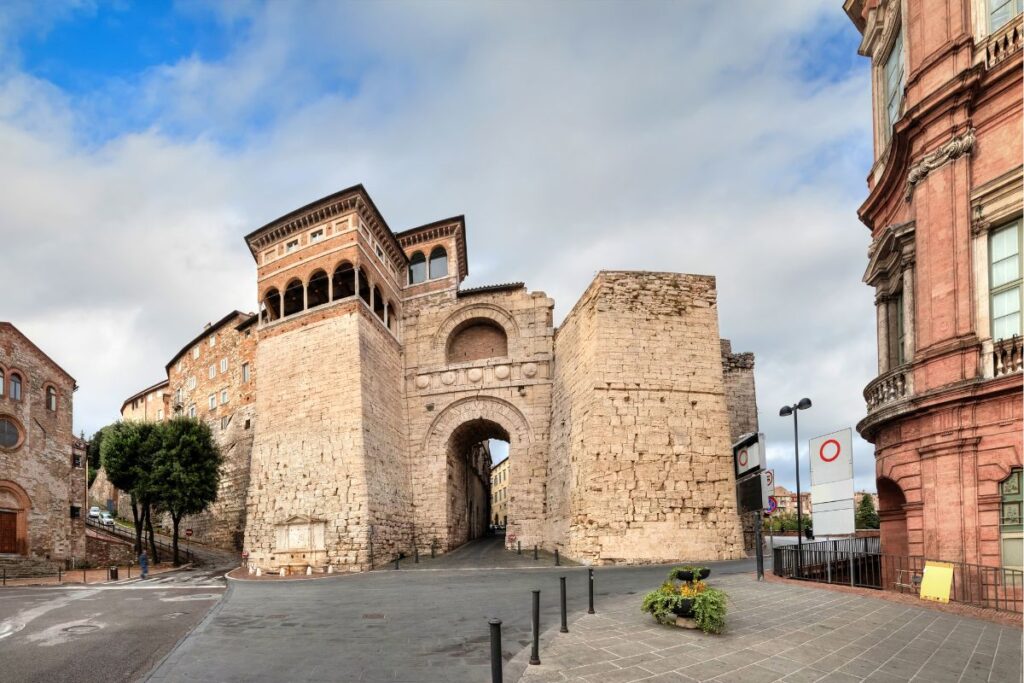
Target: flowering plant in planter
x,y
689,599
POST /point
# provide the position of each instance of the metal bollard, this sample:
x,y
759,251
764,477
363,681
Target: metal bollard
x,y
557,563
416,554
84,581
397,560
519,547
535,551
496,676
590,572
433,546
5,574
535,652
565,622
60,579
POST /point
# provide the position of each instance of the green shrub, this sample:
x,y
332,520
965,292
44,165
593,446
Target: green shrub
x,y
662,603
709,608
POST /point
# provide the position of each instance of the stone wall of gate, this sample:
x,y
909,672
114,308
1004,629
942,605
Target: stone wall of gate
x,y
641,465
512,392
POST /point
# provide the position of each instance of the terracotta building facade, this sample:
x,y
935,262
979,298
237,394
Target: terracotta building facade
x,y
373,381
42,464
944,210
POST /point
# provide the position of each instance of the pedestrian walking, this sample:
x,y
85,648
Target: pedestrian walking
x,y
144,563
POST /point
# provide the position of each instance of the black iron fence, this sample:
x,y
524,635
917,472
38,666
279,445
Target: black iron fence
x,y
859,562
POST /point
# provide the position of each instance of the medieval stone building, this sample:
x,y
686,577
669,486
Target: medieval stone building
x,y
944,209
353,405
42,464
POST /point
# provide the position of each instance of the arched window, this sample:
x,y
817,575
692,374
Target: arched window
x,y
476,339
51,399
392,323
344,281
364,287
9,434
2,378
15,388
438,263
378,303
293,298
417,268
316,290
271,305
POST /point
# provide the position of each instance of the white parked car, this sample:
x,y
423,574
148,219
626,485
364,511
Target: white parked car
x,y
106,519
94,512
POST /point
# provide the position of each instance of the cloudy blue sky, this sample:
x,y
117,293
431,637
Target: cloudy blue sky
x,y
141,142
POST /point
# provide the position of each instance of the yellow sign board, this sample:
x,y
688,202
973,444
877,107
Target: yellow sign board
x,y
936,581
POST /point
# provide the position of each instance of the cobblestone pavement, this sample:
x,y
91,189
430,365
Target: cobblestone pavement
x,y
782,632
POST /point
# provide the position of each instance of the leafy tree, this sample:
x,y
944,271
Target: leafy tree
x,y
127,452
866,515
93,454
186,471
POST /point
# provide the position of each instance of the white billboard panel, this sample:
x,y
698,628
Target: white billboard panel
x,y
833,518
832,457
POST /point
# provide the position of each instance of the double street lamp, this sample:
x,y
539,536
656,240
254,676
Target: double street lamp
x,y
786,411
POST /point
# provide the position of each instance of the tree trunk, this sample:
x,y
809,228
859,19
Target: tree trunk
x,y
152,535
175,520
137,520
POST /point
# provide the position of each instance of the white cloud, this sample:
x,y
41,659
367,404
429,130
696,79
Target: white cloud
x,y
575,137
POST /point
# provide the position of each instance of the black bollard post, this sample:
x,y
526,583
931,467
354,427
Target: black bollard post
x,y
433,545
519,547
557,563
496,662
397,560
565,623
535,652
416,554
590,573
535,551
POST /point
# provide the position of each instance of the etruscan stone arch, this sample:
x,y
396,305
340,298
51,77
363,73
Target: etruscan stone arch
x,y
463,423
477,313
14,508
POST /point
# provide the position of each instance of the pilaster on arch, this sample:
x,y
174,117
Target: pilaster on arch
x,y
486,311
489,408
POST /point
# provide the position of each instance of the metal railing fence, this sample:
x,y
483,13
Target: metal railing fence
x,y
858,562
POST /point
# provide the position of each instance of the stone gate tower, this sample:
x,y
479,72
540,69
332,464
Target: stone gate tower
x,y
377,381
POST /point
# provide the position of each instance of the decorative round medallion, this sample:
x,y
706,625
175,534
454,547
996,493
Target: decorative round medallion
x,y
423,381
501,372
530,369
475,374
448,377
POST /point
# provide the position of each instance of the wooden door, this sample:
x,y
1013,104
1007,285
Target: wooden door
x,y
8,532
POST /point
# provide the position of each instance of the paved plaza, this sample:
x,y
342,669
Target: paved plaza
x,y
425,626
783,632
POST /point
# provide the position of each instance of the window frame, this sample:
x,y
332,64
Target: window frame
x,y
15,386
992,28
51,398
1011,532
1018,283
19,433
213,401
245,373
896,96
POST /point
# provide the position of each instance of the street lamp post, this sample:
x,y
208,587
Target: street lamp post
x,y
785,411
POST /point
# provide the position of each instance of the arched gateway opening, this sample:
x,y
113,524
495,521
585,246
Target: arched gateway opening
x,y
454,494
469,479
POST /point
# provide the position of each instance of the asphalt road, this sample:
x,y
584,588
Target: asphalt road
x,y
104,632
389,625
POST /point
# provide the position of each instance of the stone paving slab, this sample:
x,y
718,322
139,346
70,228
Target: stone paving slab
x,y
782,632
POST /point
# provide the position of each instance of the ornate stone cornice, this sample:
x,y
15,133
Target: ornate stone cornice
x,y
954,149
889,255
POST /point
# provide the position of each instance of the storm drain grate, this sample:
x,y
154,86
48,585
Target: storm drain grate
x,y
373,615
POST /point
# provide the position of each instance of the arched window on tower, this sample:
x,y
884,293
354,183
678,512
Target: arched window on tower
x,y
293,302
417,268
438,263
344,281
364,287
316,290
15,386
378,303
271,305
2,378
51,399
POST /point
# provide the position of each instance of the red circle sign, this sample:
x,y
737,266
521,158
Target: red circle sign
x,y
743,458
188,532
821,451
